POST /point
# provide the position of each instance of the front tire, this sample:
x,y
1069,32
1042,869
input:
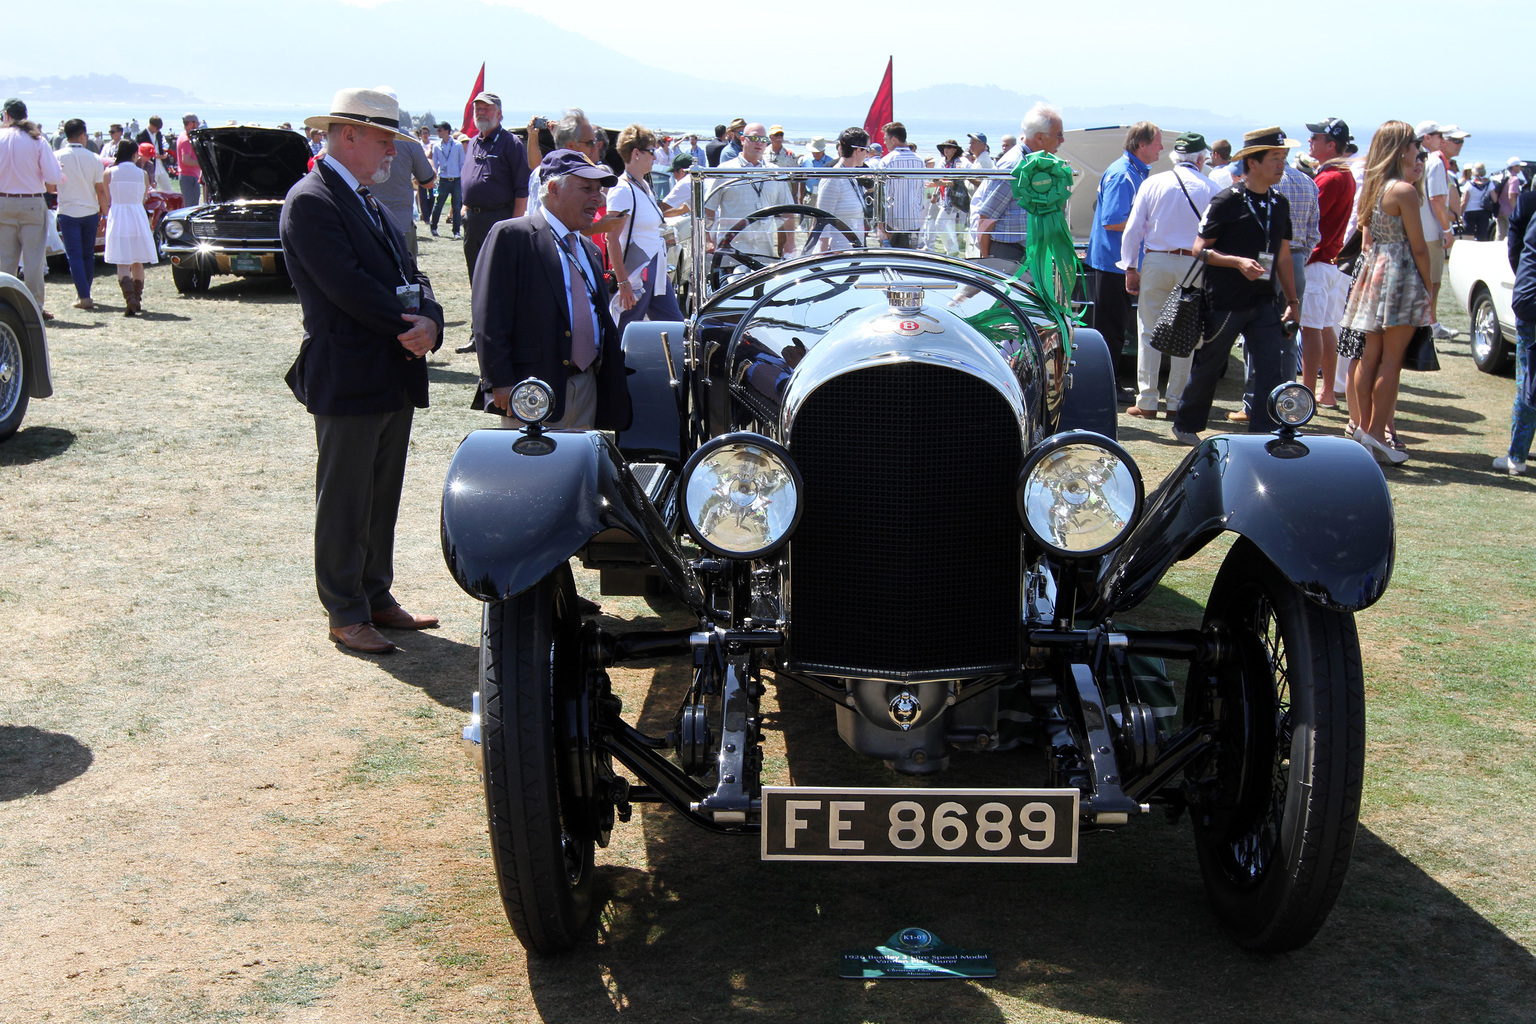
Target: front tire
x,y
190,281
13,373
541,841
1491,351
1276,809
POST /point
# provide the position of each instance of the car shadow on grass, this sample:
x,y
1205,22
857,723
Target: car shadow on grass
x,y
707,931
34,760
35,444
441,668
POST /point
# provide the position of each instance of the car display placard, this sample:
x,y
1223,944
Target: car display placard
x,y
991,825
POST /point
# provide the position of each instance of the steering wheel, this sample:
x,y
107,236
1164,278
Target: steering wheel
x,y
752,261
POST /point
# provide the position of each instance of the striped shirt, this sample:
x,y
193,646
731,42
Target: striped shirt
x,y
904,206
1301,192
994,201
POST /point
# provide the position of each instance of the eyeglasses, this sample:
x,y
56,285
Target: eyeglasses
x,y
755,138
639,150
1421,156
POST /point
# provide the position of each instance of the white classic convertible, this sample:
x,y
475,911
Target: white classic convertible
x,y
1483,283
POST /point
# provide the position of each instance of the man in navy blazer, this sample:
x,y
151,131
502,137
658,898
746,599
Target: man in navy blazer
x,y
541,304
369,321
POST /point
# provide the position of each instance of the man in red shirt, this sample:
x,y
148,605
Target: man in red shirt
x,y
1327,288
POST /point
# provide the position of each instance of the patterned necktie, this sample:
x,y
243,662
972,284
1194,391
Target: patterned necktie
x,y
583,340
372,204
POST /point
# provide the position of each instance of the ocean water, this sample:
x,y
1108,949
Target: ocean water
x,y
1492,147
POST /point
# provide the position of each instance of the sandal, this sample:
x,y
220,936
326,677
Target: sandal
x,y
1391,440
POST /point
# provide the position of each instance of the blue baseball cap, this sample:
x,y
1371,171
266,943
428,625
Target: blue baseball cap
x,y
567,161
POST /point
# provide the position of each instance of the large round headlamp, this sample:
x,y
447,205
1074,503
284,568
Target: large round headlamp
x,y
741,495
532,400
175,229
1292,404
1079,494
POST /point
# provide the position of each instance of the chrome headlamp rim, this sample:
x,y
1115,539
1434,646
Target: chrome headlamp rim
x,y
523,405
1292,405
1050,446
175,229
779,454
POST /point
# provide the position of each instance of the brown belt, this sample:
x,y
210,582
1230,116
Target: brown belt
x,y
22,195
1174,252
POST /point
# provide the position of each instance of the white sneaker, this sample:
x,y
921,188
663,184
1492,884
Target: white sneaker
x,y
1442,332
1505,464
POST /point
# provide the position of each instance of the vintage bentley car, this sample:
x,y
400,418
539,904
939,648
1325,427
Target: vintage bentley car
x,y
23,354
892,478
247,172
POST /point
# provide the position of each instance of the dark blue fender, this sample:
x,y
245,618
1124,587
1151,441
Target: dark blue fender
x,y
1091,403
656,435
1318,507
516,506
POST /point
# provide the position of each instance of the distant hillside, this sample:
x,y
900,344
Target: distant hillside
x,y
93,89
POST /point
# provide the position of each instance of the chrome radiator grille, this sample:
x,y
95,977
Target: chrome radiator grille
x,y
905,563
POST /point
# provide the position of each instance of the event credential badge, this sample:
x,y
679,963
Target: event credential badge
x,y
916,953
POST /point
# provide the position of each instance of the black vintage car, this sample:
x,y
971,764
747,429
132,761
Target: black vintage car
x,y
247,171
891,478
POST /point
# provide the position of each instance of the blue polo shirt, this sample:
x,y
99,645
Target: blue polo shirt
x,y
1117,190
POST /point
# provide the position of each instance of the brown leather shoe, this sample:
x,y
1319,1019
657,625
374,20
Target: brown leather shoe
x,y
1136,410
1238,416
398,618
361,636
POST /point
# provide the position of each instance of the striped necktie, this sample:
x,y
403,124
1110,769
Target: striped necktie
x,y
583,339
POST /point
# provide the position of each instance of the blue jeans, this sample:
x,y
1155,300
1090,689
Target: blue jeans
x,y
1522,422
656,301
1266,352
447,192
79,234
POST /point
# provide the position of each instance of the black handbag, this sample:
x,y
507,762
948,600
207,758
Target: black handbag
x,y
1420,354
1181,324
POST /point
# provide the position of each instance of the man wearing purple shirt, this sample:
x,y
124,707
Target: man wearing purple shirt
x,y
495,179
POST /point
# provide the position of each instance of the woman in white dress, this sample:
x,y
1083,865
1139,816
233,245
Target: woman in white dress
x,y
130,243
843,198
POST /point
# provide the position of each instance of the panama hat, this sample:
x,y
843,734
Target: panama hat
x,y
366,107
1263,139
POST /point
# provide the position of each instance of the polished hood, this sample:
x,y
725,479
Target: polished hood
x,y
250,162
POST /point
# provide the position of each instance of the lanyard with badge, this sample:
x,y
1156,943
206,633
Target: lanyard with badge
x,y
408,293
578,271
1265,258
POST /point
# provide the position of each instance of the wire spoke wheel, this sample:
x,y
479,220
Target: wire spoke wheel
x,y
13,373
1275,807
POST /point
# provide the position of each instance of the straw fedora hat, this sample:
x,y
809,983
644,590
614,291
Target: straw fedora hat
x,y
1264,138
366,107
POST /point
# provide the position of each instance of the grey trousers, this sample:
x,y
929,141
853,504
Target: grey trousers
x,y
23,240
358,479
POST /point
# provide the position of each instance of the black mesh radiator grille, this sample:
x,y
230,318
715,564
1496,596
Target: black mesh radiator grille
x,y
906,559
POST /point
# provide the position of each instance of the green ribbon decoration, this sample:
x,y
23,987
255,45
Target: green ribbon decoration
x,y
1042,184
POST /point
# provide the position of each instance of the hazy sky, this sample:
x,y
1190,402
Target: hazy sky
x,y
1363,59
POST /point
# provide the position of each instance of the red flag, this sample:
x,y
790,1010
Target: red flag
x,y
880,112
469,108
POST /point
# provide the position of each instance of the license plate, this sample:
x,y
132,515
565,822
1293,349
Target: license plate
x,y
991,825
245,264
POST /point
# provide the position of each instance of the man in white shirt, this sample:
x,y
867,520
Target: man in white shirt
x,y
978,155
83,202
731,200
1435,215
1156,253
905,209
448,162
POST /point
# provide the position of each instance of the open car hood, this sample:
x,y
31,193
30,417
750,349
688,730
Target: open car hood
x,y
250,162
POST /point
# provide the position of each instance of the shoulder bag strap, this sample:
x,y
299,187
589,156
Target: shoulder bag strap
x,y
1188,200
